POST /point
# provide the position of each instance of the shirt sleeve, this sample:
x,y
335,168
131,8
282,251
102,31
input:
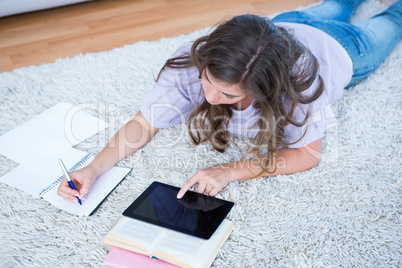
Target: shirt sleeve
x,y
321,118
335,68
170,102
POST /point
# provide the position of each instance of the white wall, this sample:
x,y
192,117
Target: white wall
x,y
11,7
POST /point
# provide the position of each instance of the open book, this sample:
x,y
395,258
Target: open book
x,y
174,247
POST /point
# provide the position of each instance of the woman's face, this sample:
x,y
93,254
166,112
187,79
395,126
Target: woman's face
x,y
217,92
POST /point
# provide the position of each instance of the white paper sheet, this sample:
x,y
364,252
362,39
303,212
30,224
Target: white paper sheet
x,y
38,144
47,135
34,181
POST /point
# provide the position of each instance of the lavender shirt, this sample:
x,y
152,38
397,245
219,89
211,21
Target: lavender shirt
x,y
178,91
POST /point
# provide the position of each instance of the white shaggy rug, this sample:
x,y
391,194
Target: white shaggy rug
x,y
344,213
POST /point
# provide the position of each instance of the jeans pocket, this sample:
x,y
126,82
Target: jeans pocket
x,y
360,39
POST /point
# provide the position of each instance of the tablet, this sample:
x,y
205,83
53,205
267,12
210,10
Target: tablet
x,y
194,214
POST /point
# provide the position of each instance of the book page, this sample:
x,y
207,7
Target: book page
x,y
183,244
194,251
137,233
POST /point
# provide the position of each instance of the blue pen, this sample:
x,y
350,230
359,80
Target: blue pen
x,y
70,182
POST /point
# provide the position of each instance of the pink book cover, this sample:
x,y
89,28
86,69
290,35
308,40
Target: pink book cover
x,y
121,258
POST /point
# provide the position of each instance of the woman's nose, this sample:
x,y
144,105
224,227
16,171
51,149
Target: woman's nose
x,y
212,96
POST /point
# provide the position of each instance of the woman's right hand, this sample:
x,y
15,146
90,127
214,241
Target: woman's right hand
x,y
131,137
82,179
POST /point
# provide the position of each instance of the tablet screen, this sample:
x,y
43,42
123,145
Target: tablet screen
x,y
195,214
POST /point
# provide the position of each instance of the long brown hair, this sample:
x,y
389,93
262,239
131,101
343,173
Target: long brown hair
x,y
272,68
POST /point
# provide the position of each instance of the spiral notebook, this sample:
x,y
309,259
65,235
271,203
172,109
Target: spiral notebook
x,y
81,163
44,182
102,187
51,135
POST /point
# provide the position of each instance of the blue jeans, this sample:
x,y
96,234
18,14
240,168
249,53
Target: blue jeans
x,y
368,43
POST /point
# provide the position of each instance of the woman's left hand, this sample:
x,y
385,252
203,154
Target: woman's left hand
x,y
210,180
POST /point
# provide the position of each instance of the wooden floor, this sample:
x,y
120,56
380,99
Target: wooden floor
x,y
44,36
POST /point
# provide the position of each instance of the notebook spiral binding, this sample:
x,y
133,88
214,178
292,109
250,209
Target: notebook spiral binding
x,y
57,182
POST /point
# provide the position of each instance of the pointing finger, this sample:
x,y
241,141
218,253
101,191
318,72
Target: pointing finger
x,y
187,185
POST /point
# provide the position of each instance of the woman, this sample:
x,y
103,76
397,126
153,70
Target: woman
x,y
271,81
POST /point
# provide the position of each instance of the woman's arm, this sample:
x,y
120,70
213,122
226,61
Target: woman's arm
x,y
287,161
131,137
